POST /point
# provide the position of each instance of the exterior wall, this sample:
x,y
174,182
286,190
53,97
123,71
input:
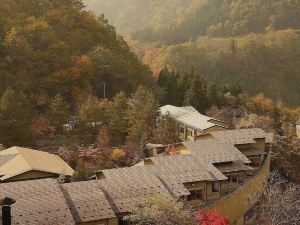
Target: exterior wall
x,y
30,175
235,205
298,130
213,195
195,186
189,130
260,144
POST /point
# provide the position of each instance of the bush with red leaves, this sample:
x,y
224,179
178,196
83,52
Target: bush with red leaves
x,y
210,218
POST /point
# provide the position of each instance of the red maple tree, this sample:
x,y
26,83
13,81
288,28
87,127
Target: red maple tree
x,y
210,218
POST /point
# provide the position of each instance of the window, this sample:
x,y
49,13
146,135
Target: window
x,y
190,133
216,187
195,194
181,130
234,179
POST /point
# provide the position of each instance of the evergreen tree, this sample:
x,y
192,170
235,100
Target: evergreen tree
x,y
15,106
196,95
118,123
142,114
16,113
59,110
91,111
213,95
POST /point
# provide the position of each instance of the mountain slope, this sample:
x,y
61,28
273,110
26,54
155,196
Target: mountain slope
x,y
253,42
50,47
130,16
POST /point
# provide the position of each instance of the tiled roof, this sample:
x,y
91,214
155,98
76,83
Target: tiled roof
x,y
185,168
190,117
37,202
22,160
87,201
232,167
127,186
242,136
213,151
177,170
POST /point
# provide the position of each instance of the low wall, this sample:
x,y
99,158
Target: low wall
x,y
235,205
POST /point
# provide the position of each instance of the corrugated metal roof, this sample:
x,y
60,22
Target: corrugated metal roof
x,y
23,160
190,117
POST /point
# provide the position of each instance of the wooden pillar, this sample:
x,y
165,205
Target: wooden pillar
x,y
205,193
220,192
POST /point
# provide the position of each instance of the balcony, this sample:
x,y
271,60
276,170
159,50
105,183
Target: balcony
x,y
236,204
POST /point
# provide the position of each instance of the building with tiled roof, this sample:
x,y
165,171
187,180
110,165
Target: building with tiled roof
x,y
18,163
253,143
213,151
210,169
38,202
192,123
128,186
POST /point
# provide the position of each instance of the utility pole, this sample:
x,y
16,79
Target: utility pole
x,y
104,90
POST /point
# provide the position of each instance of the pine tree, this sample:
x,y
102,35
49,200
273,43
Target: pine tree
x,y
142,114
15,106
59,110
196,95
16,113
118,124
91,111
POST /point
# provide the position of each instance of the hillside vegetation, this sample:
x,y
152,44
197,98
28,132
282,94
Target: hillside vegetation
x,y
50,47
252,42
54,56
130,16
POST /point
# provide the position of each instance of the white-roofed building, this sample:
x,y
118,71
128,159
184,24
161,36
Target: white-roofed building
x,y
192,123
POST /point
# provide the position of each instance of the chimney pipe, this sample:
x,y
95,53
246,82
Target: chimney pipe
x,y
6,210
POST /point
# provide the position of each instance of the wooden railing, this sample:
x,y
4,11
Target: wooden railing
x,y
235,205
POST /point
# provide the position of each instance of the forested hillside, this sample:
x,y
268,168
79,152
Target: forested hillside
x,y
219,18
129,16
252,42
50,47
54,55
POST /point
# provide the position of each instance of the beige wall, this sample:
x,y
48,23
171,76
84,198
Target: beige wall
x,y
195,133
210,194
260,144
195,185
234,206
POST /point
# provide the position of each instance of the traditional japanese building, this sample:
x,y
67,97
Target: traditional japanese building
x,y
191,123
18,163
212,173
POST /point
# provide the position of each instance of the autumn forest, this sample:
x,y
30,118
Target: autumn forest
x,y
80,75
